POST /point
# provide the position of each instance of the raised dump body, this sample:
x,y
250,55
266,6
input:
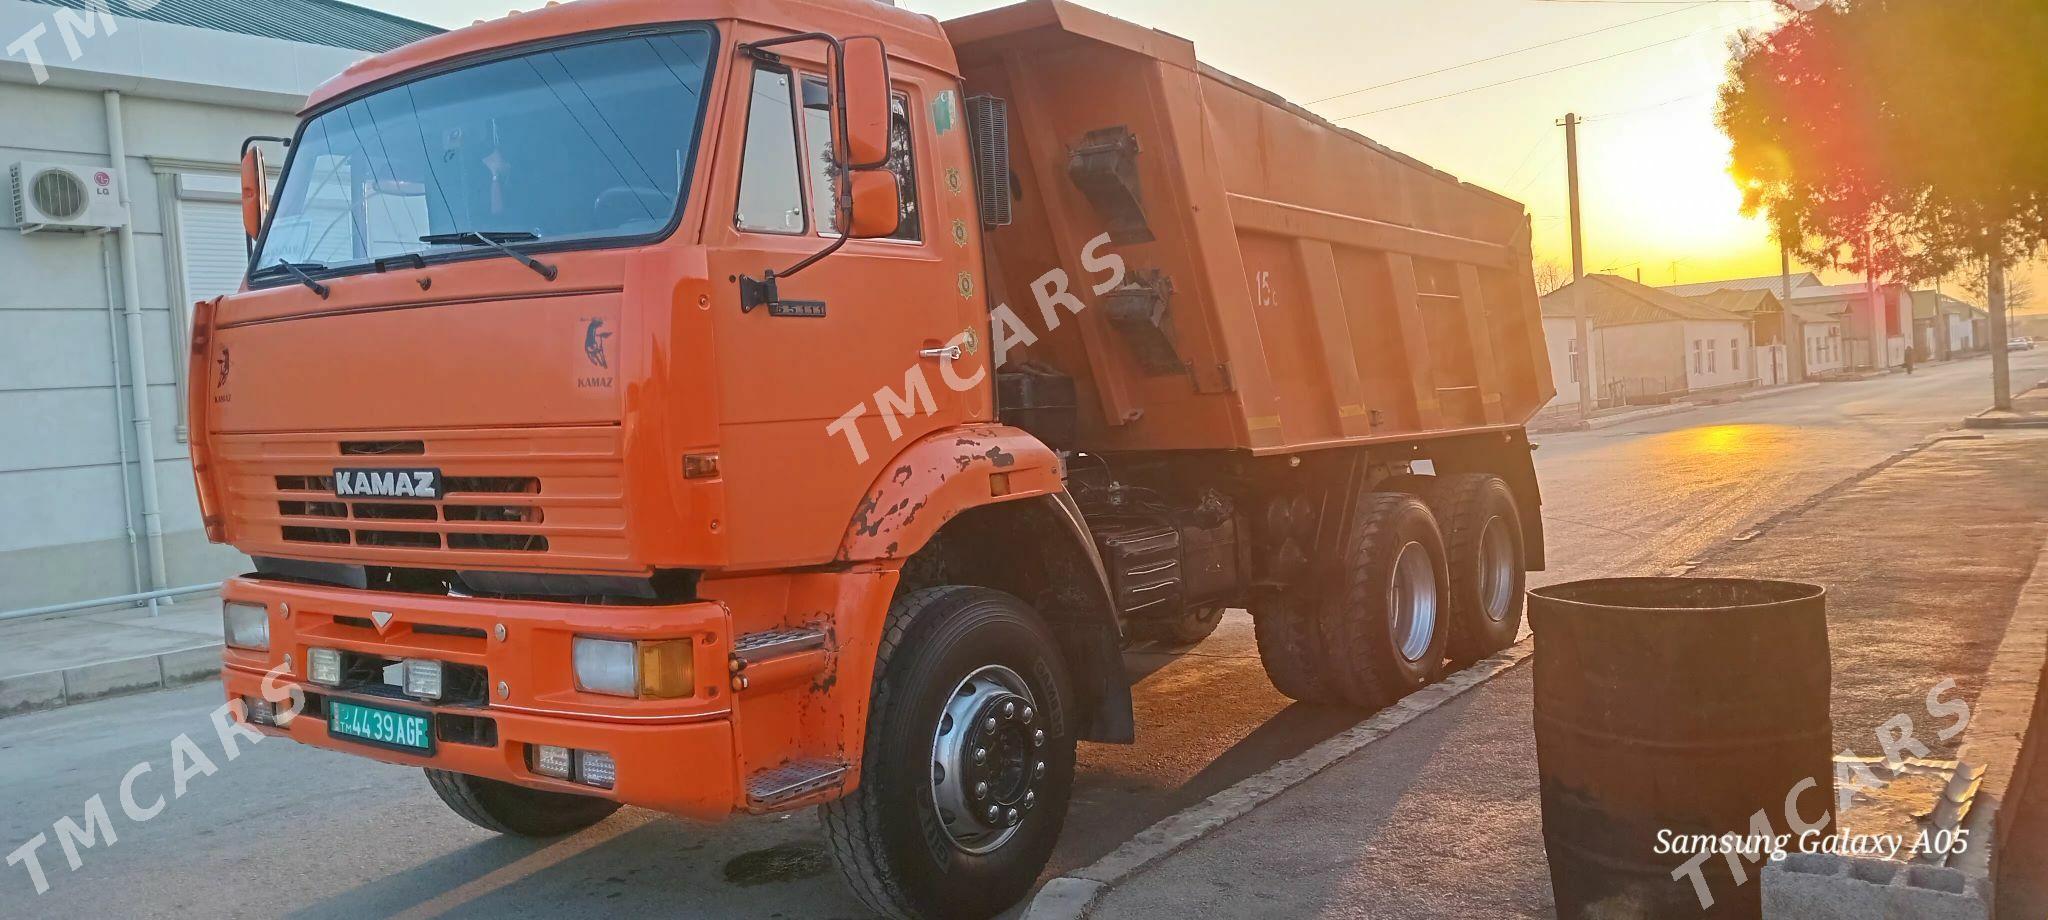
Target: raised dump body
x,y
1291,284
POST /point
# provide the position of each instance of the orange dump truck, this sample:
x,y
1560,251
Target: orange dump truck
x,y
731,406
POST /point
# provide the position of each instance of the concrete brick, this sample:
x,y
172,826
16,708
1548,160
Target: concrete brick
x,y
191,665
31,692
1818,886
1936,893
111,678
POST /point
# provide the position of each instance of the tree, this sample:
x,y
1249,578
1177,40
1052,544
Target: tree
x,y
1550,277
1975,279
1898,137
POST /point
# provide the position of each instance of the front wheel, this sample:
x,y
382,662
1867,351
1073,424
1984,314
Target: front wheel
x,y
517,810
969,759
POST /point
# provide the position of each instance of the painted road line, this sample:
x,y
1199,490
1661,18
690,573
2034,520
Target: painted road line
x,y
1073,895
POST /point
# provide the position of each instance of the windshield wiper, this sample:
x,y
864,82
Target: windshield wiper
x,y
496,239
298,270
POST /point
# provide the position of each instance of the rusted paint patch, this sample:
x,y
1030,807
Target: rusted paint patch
x,y
1002,458
902,475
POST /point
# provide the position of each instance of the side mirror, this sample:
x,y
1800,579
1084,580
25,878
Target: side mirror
x,y
864,90
877,204
255,196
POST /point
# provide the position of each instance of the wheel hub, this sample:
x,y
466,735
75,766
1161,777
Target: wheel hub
x,y
987,759
1411,601
1497,570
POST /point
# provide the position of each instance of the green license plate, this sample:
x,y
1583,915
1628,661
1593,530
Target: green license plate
x,y
402,731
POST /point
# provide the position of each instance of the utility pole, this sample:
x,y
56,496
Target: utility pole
x,y
1583,322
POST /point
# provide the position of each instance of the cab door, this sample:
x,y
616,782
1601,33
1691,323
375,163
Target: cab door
x,y
820,394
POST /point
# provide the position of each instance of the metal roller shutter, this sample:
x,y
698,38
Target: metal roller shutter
x,y
214,251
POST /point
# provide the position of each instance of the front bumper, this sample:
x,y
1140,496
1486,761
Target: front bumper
x,y
675,756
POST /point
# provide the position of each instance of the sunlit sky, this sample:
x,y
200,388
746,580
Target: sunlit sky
x,y
1657,195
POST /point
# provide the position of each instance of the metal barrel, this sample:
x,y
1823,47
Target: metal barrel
x,y
1670,710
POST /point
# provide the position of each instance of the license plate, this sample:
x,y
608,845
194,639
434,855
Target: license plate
x,y
403,731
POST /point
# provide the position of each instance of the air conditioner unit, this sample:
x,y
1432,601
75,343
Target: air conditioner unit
x,y
50,197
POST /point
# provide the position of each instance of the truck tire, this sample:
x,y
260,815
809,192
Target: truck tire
x,y
1483,541
1291,647
969,759
1192,625
1383,626
508,809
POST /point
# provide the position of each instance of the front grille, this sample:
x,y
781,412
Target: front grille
x,y
513,499
370,523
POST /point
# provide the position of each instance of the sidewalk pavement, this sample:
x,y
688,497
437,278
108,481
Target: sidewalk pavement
x,y
1926,560
57,661
2029,410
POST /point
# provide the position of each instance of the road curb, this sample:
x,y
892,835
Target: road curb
x,y
1073,896
55,689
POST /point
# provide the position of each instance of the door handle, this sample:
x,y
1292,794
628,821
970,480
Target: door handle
x,y
950,353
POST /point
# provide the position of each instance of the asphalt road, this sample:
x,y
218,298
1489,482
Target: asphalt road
x,y
282,830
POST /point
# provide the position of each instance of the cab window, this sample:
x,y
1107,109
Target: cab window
x,y
771,188
824,173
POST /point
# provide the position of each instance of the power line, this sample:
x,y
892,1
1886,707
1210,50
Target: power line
x,y
1641,109
1545,73
1694,4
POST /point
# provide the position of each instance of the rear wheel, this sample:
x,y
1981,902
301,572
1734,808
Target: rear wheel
x,y
516,810
1290,647
1190,626
969,759
1383,627
1483,539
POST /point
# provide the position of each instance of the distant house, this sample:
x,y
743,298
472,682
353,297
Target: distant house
x,y
1875,322
1944,327
1817,333
1653,346
1766,316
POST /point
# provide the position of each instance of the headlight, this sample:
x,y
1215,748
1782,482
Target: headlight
x,y
661,670
423,679
323,666
549,760
246,625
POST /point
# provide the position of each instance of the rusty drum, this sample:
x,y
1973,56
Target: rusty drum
x,y
1669,711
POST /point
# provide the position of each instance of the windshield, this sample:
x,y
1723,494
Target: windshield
x,y
580,143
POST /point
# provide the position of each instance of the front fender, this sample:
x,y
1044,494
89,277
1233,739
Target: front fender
x,y
938,477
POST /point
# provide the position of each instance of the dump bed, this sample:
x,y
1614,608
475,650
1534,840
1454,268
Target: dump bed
x,y
1289,284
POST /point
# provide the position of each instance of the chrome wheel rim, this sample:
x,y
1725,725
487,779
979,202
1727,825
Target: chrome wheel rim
x,y
1496,570
988,759
1411,601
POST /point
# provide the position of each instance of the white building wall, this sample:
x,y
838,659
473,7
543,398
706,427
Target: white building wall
x,y
1961,332
1824,348
65,533
1718,354
1559,336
